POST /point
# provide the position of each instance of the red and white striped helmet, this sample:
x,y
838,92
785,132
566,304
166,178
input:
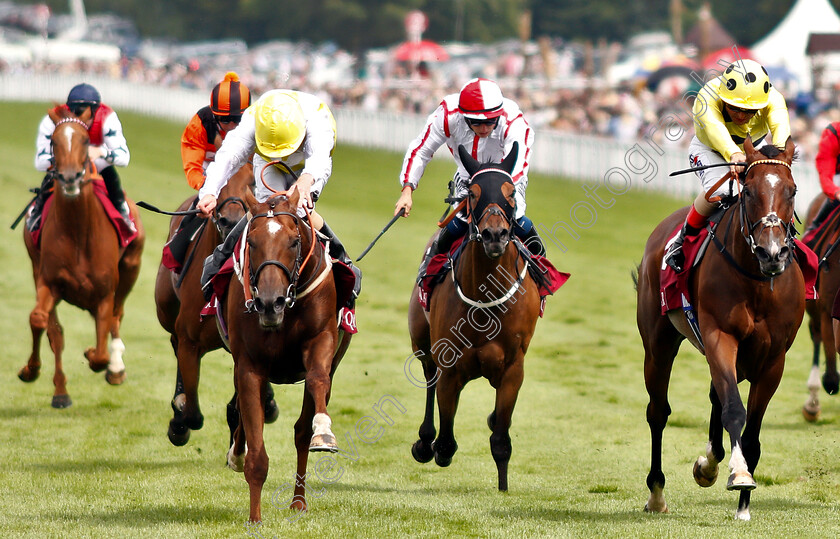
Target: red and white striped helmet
x,y
480,99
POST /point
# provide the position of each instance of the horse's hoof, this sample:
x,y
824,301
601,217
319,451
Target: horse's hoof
x,y
115,378
831,383
422,452
298,504
236,462
94,364
810,415
27,375
741,481
702,479
61,401
178,433
663,510
272,412
323,442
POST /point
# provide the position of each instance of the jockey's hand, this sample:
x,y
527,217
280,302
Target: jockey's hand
x,y
304,187
737,157
404,201
207,204
96,151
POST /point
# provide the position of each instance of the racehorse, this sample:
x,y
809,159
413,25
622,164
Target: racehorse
x,y
80,260
475,327
283,328
180,300
825,244
750,301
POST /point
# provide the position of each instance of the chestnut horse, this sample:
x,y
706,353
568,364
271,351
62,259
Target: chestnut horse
x,y
480,320
827,246
283,328
749,297
179,301
80,261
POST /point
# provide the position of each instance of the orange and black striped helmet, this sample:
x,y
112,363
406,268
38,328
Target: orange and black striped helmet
x,y
230,97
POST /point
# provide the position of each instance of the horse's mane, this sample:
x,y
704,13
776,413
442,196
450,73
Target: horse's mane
x,y
771,151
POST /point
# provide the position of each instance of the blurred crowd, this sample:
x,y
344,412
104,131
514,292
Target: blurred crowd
x,y
626,111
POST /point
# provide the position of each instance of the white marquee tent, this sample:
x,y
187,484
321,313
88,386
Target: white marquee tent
x,y
785,45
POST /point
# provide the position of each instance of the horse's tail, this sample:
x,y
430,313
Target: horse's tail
x,y
634,274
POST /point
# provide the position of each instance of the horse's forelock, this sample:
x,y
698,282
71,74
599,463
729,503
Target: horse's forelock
x,y
770,151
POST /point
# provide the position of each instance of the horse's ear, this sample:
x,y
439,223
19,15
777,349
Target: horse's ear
x,y
749,149
510,160
293,196
790,150
53,114
469,163
251,201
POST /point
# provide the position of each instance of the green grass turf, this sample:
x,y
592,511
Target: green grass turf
x,y
104,467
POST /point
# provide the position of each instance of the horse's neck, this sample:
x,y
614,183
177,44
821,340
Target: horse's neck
x,y
477,273
76,215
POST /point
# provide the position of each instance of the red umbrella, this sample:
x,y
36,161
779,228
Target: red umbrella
x,y
721,58
420,51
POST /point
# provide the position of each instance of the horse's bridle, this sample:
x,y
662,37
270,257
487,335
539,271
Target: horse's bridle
x,y
771,220
490,210
218,209
292,274
87,164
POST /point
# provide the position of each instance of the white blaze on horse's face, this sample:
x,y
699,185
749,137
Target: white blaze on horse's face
x,y
274,227
67,132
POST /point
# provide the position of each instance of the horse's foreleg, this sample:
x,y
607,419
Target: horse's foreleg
x,y
706,467
98,357
55,334
317,359
761,391
189,367
506,394
250,387
449,388
811,408
422,450
39,320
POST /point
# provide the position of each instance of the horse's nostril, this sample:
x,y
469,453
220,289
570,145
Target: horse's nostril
x,y
259,305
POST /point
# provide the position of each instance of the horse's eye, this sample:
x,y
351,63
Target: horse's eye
x,y
295,243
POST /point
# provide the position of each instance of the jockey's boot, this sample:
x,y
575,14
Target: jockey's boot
x,y
180,242
214,262
441,245
43,192
531,239
116,194
674,257
825,210
337,251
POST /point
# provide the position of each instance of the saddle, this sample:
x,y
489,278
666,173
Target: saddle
x,y
125,234
542,271
175,250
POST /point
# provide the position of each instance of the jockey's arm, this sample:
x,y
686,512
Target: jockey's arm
x,y
43,147
404,202
114,149
193,152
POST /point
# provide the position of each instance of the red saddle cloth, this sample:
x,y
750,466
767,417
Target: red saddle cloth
x,y
549,278
125,233
673,286
344,278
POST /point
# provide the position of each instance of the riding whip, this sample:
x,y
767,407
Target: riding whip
x,y
19,217
704,167
391,222
147,206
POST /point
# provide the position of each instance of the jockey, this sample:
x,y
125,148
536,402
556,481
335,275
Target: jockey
x,y
488,125
828,167
108,148
740,102
209,126
204,135
296,127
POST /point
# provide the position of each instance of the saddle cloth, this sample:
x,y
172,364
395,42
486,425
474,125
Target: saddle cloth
x,y
125,234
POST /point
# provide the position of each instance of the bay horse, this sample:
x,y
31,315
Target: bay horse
x,y
180,300
79,260
749,298
825,244
282,321
474,326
